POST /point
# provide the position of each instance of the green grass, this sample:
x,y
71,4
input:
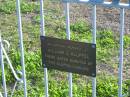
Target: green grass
x,y
107,51
9,7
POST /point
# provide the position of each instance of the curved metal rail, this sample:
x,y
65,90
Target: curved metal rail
x,y
9,62
11,66
3,53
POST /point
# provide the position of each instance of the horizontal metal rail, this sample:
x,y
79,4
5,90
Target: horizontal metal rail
x,y
114,3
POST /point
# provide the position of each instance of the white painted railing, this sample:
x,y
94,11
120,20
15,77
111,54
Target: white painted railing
x,y
114,3
105,3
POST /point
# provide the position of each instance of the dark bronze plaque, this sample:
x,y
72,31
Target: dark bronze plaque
x,y
70,56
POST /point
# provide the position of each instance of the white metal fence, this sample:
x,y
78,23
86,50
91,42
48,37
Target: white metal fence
x,y
113,3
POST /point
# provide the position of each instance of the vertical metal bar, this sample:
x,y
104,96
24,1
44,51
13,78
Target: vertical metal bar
x,y
1,95
43,34
42,18
2,67
46,82
68,37
122,14
94,41
67,21
21,45
12,93
94,24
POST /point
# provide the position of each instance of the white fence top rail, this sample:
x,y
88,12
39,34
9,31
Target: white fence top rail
x,y
106,3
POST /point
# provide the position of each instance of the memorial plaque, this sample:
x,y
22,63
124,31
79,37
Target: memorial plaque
x,y
69,56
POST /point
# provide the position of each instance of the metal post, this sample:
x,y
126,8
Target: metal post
x,y
67,21
2,67
43,34
122,14
94,41
42,18
68,37
21,45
